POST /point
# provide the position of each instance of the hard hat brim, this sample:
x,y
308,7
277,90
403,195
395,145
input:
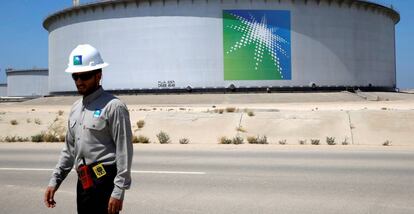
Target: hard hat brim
x,y
81,69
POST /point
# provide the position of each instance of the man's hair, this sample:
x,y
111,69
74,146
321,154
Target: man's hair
x,y
96,71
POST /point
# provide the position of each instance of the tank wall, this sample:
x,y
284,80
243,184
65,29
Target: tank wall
x,y
27,84
3,90
178,45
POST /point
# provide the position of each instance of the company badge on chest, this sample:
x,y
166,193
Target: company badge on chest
x,y
97,113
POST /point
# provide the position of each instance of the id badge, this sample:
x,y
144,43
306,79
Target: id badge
x,y
99,170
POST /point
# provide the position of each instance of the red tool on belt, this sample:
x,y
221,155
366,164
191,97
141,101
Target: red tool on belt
x,y
85,176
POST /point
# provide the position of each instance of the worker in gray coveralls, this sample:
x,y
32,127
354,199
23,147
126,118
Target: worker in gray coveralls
x,y
98,140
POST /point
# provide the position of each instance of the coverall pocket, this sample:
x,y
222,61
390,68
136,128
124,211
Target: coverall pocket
x,y
95,124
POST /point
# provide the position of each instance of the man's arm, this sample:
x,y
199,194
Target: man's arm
x,y
121,133
62,169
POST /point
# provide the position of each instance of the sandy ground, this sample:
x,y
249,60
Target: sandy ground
x,y
361,119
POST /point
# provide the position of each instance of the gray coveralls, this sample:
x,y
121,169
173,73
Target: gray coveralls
x,y
99,130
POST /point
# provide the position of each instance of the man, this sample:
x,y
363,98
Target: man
x,y
98,140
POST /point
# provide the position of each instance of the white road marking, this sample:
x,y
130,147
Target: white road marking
x,y
25,169
168,172
132,171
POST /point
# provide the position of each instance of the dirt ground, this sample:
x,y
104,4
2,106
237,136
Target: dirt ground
x,y
359,119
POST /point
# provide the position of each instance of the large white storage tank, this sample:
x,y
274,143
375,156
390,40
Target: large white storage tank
x,y
27,83
207,44
3,89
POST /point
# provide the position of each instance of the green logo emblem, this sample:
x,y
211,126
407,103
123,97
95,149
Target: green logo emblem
x,y
256,45
77,60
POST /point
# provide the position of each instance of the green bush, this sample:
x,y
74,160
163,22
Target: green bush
x,y
282,142
163,138
302,142
250,113
14,122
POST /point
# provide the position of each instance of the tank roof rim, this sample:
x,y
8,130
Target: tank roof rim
x,y
394,14
26,70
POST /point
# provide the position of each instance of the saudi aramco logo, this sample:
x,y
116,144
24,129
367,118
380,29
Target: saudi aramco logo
x,y
77,60
256,45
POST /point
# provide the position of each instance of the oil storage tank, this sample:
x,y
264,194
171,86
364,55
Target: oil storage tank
x,y
3,89
27,82
208,44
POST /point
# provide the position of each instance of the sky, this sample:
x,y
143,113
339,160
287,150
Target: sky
x,y
24,42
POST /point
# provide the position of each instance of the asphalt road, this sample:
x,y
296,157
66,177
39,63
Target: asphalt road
x,y
228,179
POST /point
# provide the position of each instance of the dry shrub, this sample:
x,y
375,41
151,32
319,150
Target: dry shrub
x,y
387,143
315,141
345,142
330,141
241,129
38,121
237,140
230,109
184,141
257,140
12,139
140,139
163,138
140,124
224,140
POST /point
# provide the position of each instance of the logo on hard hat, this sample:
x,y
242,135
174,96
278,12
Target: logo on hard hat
x,y
77,60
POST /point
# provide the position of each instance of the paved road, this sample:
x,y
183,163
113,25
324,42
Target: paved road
x,y
229,179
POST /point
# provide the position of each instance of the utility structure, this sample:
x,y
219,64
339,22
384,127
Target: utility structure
x,y
217,44
27,82
75,3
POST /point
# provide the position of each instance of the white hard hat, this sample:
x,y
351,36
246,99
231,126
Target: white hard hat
x,y
85,58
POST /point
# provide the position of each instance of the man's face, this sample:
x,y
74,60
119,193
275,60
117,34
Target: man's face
x,y
87,82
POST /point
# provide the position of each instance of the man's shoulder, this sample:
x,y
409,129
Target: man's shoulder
x,y
76,103
113,101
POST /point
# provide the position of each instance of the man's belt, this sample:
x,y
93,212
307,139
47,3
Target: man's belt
x,y
89,175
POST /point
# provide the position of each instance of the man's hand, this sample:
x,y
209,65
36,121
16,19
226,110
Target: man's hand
x,y
49,197
115,205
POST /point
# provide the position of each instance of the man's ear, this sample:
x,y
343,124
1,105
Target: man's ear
x,y
98,77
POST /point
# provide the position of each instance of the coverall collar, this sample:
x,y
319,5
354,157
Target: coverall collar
x,y
91,97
